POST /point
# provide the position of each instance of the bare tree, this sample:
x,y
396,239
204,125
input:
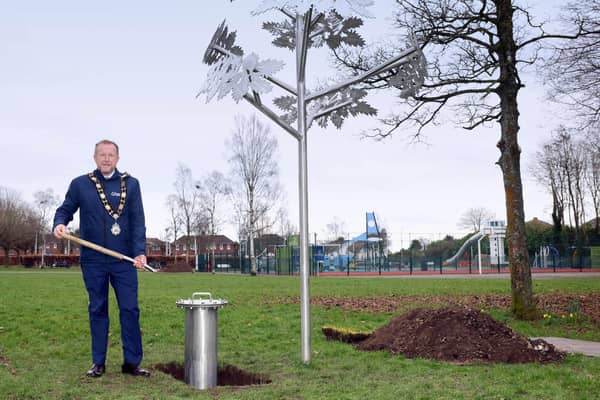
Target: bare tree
x,y
573,164
547,172
175,223
474,218
284,224
593,174
573,70
213,189
475,50
562,166
45,202
239,215
255,183
335,229
187,202
18,223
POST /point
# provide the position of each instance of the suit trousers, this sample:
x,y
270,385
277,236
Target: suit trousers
x,y
122,276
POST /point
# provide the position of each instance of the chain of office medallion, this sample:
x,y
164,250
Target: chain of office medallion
x,y
100,189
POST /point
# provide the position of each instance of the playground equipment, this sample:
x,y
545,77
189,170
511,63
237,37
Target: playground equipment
x,y
543,257
472,239
495,230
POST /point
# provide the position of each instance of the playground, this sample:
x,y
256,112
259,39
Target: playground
x,y
482,252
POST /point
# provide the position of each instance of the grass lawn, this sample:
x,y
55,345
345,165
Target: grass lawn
x,y
44,341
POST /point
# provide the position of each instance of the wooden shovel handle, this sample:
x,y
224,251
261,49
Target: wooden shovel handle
x,y
103,250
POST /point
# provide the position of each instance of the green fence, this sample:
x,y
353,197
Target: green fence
x,y
595,256
285,260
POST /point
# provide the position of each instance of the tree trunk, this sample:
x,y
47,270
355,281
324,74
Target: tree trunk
x,y
6,258
251,234
252,258
523,303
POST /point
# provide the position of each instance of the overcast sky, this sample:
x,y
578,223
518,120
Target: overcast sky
x,y
73,73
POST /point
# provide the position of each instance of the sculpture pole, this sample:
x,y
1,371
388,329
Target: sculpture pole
x,y
302,29
247,77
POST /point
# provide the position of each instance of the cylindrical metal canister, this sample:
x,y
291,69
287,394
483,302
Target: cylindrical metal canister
x,y
201,339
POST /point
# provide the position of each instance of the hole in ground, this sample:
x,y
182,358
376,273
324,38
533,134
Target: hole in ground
x,y
228,375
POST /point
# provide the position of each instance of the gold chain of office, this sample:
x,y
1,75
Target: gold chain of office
x,y
115,229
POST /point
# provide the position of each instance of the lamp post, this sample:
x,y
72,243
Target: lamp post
x,y
246,77
68,248
43,219
213,246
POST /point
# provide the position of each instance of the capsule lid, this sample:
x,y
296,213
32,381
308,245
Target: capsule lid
x,y
201,300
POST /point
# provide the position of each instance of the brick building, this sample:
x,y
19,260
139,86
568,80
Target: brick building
x,y
155,247
204,244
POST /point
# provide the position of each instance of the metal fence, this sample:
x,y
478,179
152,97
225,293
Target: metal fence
x,y
383,265
285,261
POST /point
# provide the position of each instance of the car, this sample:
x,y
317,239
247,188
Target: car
x,y
61,264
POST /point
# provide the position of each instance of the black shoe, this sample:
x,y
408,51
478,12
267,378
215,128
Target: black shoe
x,y
135,370
96,371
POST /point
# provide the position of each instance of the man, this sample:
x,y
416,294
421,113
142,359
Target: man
x,y
111,215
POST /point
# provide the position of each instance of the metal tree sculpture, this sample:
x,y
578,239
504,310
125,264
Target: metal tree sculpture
x,y
308,23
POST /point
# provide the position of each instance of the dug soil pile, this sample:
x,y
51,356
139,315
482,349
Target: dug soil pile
x,y
457,334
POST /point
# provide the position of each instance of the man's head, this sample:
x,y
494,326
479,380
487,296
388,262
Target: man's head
x,y
106,156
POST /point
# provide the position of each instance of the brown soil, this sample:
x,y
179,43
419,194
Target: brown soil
x,y
452,333
586,305
459,335
228,375
178,267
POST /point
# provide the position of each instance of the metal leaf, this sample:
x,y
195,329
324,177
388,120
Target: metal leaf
x,y
223,39
285,103
289,104
337,30
284,33
362,107
352,22
252,76
238,76
353,39
334,30
333,42
340,112
410,76
219,78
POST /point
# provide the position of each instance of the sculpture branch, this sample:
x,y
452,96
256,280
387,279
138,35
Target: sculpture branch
x,y
391,63
329,110
274,117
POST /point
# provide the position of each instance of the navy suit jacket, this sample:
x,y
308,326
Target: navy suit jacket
x,y
95,222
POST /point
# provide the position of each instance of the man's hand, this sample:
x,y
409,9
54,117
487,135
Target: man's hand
x,y
139,261
59,230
